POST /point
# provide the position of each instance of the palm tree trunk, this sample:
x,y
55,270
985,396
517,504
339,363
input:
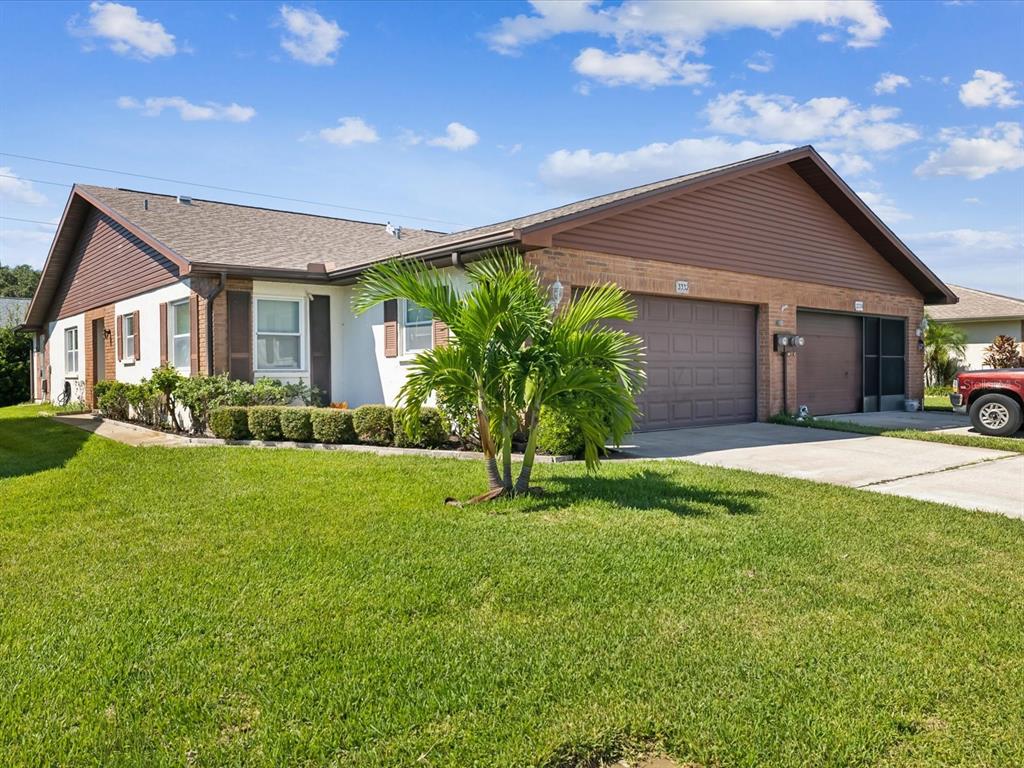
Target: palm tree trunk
x,y
523,482
494,480
506,461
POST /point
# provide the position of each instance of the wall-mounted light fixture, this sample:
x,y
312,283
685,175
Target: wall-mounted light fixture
x,y
107,334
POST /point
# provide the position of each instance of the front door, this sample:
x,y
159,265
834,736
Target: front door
x,y
320,347
99,358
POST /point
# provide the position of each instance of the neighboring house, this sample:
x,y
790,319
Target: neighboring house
x,y
719,262
13,311
982,316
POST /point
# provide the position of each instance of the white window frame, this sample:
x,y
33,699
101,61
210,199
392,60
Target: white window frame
x,y
70,333
302,336
403,324
172,336
127,337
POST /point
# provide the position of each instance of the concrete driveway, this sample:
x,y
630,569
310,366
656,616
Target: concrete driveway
x,y
974,478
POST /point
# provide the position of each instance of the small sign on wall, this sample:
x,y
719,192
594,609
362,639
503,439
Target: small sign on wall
x,y
682,286
858,306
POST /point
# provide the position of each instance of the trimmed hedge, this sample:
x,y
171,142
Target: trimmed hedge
x,y
374,424
433,431
558,434
265,422
332,425
230,422
295,424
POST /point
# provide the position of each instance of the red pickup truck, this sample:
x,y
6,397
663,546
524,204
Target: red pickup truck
x,y
993,398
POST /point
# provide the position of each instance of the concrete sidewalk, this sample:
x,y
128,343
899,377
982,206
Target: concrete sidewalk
x,y
974,478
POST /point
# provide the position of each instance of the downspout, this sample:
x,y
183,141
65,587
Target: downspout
x,y
209,321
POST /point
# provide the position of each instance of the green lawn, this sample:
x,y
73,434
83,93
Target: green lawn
x,y
937,403
232,606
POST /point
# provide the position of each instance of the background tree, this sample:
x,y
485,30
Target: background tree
x,y
944,347
510,354
15,349
18,282
1003,352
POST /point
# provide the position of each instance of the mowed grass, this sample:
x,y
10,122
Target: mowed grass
x,y
232,606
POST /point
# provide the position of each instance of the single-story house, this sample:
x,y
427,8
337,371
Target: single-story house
x,y
721,262
982,316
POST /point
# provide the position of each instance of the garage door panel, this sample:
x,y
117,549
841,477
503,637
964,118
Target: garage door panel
x,y
700,362
829,365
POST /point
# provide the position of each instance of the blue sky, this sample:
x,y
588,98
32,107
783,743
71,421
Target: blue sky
x,y
453,115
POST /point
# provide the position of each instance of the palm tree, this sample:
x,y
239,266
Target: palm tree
x,y
944,346
511,354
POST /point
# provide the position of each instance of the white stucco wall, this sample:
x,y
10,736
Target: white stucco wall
x,y
148,307
360,374
981,333
58,374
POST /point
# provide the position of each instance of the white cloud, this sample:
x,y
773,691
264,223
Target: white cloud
x,y
884,207
125,31
350,130
781,118
889,82
762,61
683,26
588,172
847,163
999,148
969,238
310,37
643,69
210,110
18,190
972,200
653,39
989,89
456,137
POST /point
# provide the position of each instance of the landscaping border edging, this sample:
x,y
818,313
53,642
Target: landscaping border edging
x,y
380,450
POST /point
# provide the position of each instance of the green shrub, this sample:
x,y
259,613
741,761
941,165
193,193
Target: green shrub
x,y
146,403
937,391
112,399
432,431
265,422
15,353
558,434
200,395
332,425
295,425
374,424
166,380
230,422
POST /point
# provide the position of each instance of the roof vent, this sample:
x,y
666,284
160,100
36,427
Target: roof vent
x,y
184,200
395,232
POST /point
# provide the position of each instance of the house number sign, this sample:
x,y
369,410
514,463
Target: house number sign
x,y
682,286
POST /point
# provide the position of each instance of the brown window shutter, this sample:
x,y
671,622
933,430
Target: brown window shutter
x,y
239,333
193,333
440,334
119,330
391,328
163,334
138,334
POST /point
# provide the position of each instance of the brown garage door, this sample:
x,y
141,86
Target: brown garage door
x,y
829,364
701,360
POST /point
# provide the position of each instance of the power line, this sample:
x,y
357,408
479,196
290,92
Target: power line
x,y
28,221
35,181
227,189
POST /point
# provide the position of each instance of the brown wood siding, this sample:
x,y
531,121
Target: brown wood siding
x,y
829,364
108,264
769,223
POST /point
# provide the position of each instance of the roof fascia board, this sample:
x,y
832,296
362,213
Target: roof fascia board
x,y
173,256
49,256
835,178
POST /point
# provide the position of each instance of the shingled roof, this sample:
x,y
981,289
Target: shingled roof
x,y
223,234
979,305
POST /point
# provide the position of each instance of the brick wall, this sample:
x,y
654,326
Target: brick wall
x,y
106,314
575,267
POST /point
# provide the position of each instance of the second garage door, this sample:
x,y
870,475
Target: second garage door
x,y
701,362
829,364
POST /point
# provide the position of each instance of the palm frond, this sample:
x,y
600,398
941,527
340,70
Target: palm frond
x,y
411,280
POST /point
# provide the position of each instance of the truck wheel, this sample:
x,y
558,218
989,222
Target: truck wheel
x,y
997,415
